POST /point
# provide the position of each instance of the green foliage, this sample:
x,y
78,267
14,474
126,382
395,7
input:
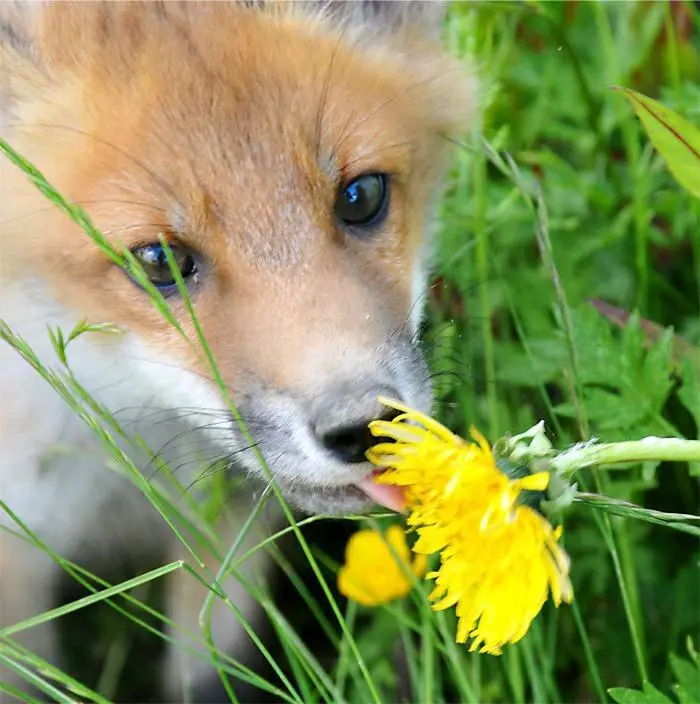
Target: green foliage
x,y
686,686
648,695
677,140
624,386
514,338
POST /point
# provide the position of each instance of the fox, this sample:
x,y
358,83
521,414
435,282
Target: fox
x,y
292,155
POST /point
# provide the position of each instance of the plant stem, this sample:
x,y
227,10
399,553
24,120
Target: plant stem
x,y
645,450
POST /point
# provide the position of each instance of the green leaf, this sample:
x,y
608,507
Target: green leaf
x,y
657,369
611,410
655,695
542,365
649,695
687,689
599,356
628,696
651,331
625,381
633,340
683,696
676,139
689,393
687,675
689,396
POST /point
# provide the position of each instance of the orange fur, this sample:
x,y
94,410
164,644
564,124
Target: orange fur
x,y
229,130
232,155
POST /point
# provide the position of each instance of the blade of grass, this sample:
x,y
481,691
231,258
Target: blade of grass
x,y
427,659
323,683
88,580
412,660
343,664
21,660
539,688
626,575
593,670
513,668
91,599
634,158
545,661
205,616
182,287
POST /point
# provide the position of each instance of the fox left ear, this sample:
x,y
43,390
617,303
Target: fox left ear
x,y
423,17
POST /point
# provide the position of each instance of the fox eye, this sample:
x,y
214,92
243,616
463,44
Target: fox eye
x,y
363,202
155,263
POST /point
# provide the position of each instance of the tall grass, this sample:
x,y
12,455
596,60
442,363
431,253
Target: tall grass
x,y
554,202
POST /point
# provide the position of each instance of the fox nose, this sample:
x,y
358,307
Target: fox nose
x,y
342,424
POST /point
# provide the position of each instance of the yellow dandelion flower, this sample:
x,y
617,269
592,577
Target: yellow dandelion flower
x,y
500,558
371,574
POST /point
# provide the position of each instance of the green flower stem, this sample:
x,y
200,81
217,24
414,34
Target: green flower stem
x,y
650,449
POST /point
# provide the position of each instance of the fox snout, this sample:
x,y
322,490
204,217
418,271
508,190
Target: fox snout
x,y
343,416
314,438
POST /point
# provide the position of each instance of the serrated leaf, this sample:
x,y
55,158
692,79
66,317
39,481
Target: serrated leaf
x,y
633,341
687,675
599,358
687,688
683,696
650,695
657,369
655,695
676,139
689,396
652,332
689,392
627,696
624,385
541,365
610,410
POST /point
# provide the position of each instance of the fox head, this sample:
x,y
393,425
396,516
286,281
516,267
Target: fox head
x,y
291,155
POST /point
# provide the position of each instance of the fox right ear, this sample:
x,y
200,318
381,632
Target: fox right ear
x,y
22,69
15,49
391,17
17,23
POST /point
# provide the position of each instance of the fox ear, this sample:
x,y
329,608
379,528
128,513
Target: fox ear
x,y
423,17
17,52
17,25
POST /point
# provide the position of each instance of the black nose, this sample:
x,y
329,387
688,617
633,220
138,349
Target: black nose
x,y
349,443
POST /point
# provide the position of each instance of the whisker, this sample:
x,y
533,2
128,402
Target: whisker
x,y
366,155
136,226
155,177
323,102
165,415
82,203
226,425
158,454
208,472
170,365
348,131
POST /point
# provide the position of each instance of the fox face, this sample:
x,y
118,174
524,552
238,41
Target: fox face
x,y
291,156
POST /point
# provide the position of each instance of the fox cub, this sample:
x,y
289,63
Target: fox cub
x,y
291,154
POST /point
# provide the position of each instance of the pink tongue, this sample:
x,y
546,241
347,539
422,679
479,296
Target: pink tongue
x,y
390,496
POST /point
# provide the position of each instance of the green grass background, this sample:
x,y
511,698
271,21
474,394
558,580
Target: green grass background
x,y
555,201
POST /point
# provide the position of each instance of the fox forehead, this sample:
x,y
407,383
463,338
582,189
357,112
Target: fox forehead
x,y
231,130
249,122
